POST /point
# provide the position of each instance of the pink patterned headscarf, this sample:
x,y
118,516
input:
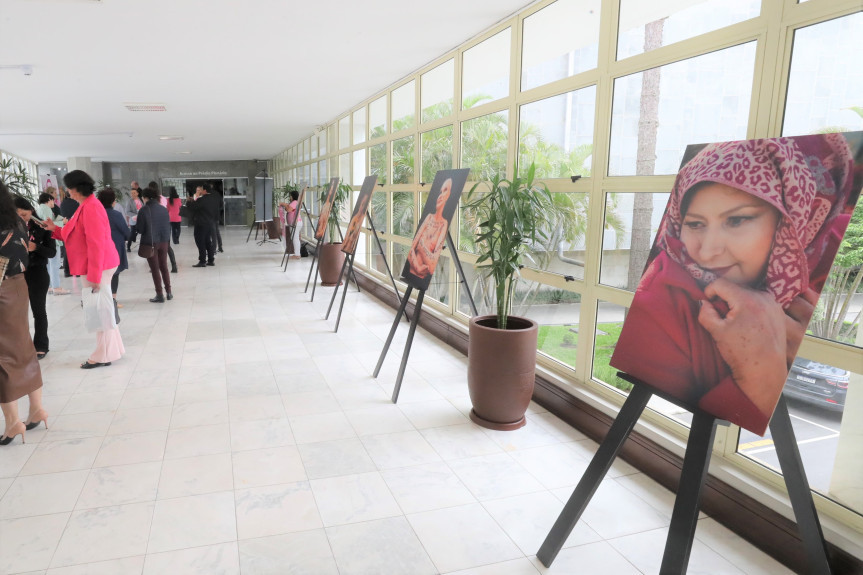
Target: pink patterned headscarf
x,y
808,179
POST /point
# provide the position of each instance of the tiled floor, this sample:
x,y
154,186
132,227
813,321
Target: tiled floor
x,y
240,435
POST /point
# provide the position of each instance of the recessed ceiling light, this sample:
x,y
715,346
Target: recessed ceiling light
x,y
183,153
170,138
138,107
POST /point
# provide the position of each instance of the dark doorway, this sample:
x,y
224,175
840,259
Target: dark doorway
x,y
218,188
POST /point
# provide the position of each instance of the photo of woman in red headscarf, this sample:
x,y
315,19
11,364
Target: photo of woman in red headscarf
x,y
740,258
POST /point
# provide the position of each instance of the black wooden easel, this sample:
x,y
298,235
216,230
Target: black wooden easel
x,y
289,238
349,263
415,319
316,270
684,517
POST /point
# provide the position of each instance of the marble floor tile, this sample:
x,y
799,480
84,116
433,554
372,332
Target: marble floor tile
x,y
92,402
222,559
79,426
157,396
125,566
378,420
200,413
139,420
433,414
196,475
332,458
104,533
201,440
254,407
598,558
267,467
15,456
494,476
28,543
426,487
119,485
321,427
553,465
462,537
276,509
261,434
644,551
460,441
384,546
401,449
42,494
193,522
304,553
67,455
521,566
310,403
353,498
201,392
132,448
736,551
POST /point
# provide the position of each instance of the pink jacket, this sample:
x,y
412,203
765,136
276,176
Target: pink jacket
x,y
88,240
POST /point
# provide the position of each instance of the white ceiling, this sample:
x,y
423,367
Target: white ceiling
x,y
241,79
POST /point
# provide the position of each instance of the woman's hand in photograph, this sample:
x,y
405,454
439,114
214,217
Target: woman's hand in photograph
x,y
797,317
31,246
751,338
49,225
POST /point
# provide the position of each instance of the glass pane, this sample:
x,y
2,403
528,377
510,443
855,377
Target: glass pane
x,y
377,258
557,312
331,138
322,171
313,141
436,152
314,171
609,321
359,171
378,162
485,70
557,135
379,211
825,404
345,167
481,291
631,223
825,84
359,126
378,118
322,144
345,132
404,211
306,150
404,104
551,51
658,112
484,142
439,287
436,91
645,26
403,160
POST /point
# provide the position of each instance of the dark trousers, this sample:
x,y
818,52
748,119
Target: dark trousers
x,y
133,237
38,282
176,228
205,240
218,238
172,257
159,268
65,262
115,282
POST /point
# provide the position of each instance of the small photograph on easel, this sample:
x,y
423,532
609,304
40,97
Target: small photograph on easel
x,y
349,245
430,236
741,256
325,209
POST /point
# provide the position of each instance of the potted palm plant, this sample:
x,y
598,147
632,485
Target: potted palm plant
x,y
332,257
512,216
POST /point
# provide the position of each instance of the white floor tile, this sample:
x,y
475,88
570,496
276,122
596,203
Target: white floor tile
x,y
193,522
383,546
353,498
276,509
222,559
306,553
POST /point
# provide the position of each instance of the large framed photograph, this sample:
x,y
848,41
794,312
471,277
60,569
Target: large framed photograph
x,y
349,245
325,209
434,223
740,258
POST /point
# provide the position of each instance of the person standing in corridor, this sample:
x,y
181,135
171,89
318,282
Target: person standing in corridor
x,y
204,206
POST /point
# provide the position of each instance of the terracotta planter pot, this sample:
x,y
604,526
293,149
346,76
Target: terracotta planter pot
x,y
501,370
330,262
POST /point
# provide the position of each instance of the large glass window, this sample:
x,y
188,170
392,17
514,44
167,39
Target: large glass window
x,y
313,142
378,118
551,51
436,91
404,213
403,160
345,132
645,26
557,135
485,70
359,123
658,112
631,223
322,171
322,144
345,167
436,152
378,162
484,143
404,106
359,171
825,84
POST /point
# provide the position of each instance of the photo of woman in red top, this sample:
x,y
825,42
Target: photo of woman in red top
x,y
741,255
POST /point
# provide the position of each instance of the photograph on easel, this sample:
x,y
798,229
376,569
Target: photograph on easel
x,y
325,209
748,238
431,234
349,245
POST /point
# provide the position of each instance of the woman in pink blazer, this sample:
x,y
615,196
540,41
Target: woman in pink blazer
x,y
91,253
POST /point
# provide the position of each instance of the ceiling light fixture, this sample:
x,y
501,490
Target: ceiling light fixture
x,y
170,138
138,107
26,68
183,153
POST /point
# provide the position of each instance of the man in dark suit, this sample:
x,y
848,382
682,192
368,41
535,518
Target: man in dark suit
x,y
204,206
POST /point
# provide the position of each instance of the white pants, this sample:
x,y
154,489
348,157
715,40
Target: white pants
x,y
296,238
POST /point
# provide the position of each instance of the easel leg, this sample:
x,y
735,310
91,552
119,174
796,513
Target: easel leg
x,y
289,241
336,290
684,518
342,305
383,256
395,326
408,343
460,270
594,474
250,233
798,490
313,266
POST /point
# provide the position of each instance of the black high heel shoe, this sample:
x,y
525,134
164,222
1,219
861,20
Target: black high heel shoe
x,y
38,418
6,440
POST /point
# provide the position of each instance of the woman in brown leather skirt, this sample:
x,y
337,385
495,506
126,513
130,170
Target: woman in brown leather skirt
x,y
19,369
